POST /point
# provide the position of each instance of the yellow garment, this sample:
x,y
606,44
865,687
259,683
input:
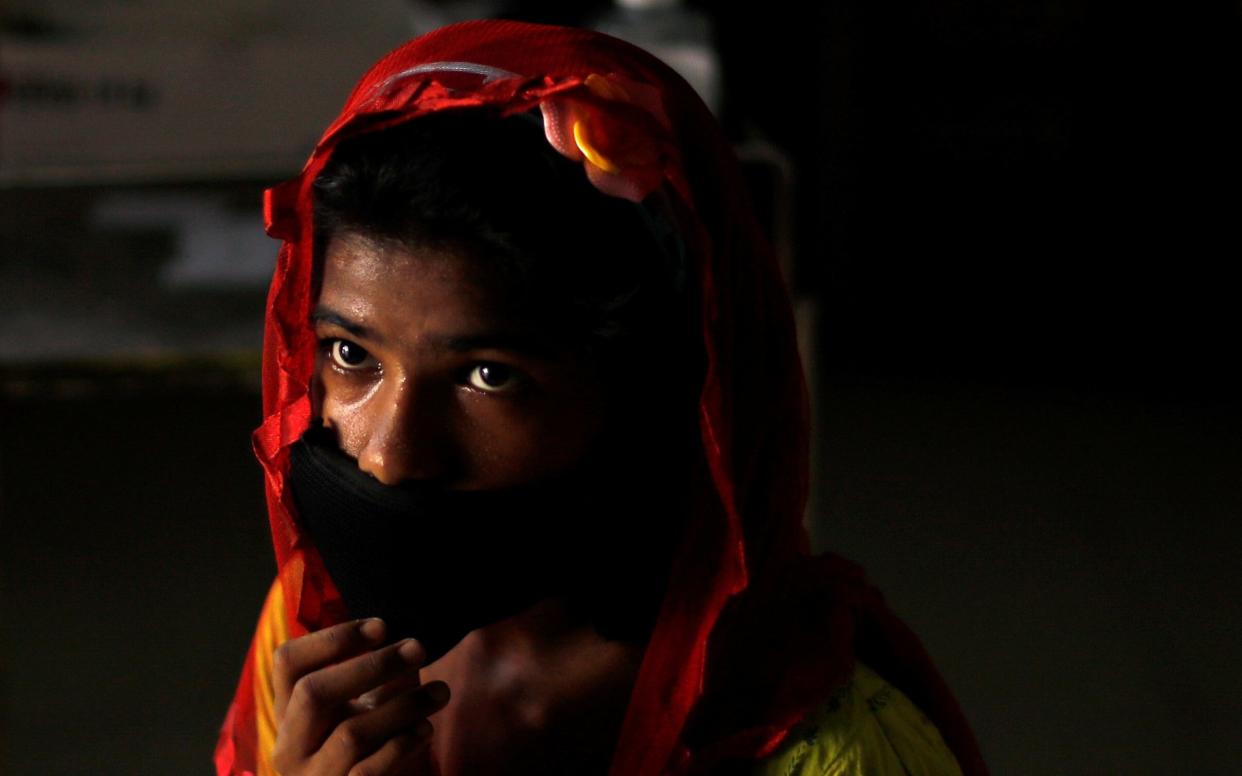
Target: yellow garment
x,y
273,631
867,728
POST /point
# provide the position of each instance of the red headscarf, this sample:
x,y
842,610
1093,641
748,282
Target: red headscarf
x,y
753,633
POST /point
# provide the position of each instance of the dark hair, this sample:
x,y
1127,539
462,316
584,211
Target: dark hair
x,y
605,270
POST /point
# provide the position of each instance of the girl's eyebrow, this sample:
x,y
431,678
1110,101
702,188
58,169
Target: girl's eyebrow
x,y
515,342
323,314
527,344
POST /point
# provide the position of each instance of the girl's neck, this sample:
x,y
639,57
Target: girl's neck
x,y
537,693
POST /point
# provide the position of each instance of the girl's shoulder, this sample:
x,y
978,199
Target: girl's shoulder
x,y
867,727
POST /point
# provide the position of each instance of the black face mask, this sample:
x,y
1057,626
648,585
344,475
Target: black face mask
x,y
436,564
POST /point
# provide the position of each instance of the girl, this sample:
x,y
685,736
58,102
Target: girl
x,y
536,449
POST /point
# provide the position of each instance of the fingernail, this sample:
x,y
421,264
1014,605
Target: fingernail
x,y
411,651
372,629
438,693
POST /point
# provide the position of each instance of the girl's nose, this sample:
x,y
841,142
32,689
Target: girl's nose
x,y
402,438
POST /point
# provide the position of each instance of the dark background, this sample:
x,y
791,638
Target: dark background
x,y
1016,224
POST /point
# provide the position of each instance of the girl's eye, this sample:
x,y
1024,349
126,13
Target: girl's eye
x,y
350,355
492,378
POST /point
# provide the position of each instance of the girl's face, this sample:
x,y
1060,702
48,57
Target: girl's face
x,y
427,372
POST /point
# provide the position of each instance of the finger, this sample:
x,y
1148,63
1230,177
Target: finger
x,y
408,754
294,659
319,698
385,692
361,737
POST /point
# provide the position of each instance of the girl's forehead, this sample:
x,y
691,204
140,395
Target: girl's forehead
x,y
384,276
381,290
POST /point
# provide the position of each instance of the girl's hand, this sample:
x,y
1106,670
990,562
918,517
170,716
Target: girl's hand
x,y
344,706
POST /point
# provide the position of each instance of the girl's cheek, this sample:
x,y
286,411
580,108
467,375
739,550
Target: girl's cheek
x,y
316,397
